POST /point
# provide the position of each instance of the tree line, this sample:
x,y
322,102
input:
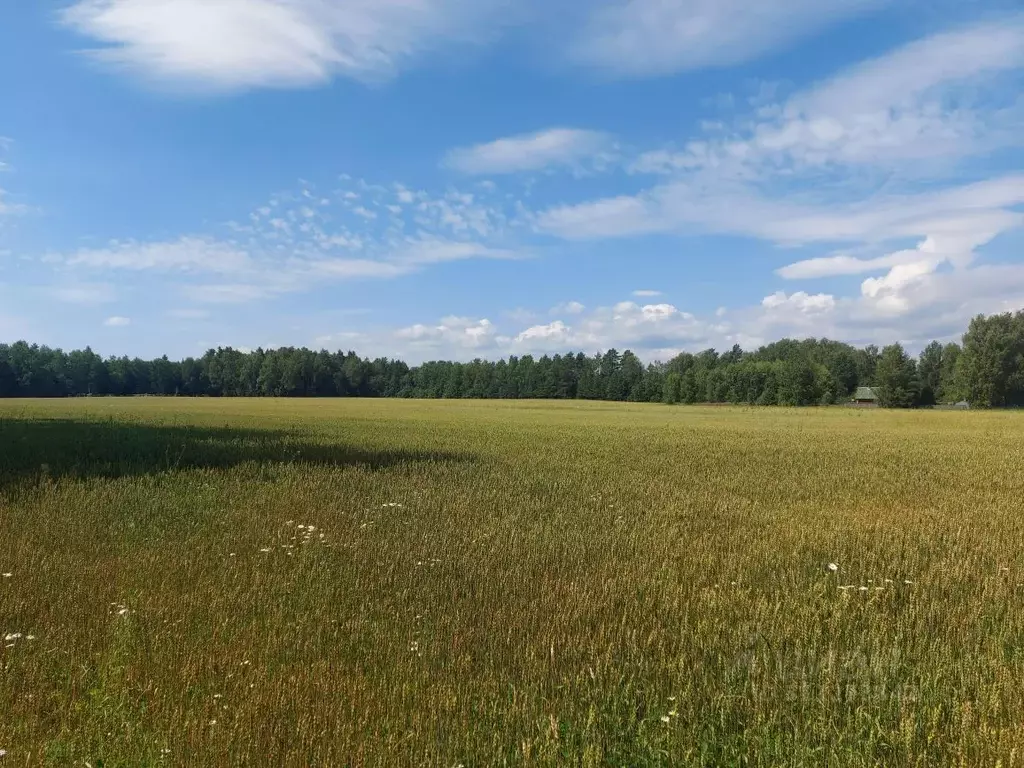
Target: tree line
x,y
986,370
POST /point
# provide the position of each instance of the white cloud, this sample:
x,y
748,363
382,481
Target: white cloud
x,y
117,322
799,302
655,331
529,152
918,108
234,44
646,294
612,217
919,67
890,293
556,332
290,246
188,254
459,333
436,251
347,269
933,98
688,206
830,266
954,242
568,308
912,305
654,37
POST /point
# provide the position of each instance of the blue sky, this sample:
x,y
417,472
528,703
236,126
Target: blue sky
x,y
478,178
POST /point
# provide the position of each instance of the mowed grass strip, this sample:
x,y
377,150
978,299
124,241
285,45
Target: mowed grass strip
x,y
345,582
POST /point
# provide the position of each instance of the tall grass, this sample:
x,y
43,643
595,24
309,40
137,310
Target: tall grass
x,y
396,583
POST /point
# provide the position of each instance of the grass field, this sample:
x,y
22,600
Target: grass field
x,y
391,583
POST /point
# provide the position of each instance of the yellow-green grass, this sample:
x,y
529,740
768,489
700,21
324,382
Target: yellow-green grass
x,y
560,584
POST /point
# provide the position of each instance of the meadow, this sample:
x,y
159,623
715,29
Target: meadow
x,y
455,583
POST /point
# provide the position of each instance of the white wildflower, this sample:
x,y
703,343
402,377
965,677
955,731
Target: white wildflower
x,y
3,752
832,567
907,581
8,575
665,718
265,549
12,636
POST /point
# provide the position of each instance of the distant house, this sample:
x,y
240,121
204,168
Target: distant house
x,y
865,396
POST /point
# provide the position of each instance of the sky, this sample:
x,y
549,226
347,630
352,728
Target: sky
x,y
454,179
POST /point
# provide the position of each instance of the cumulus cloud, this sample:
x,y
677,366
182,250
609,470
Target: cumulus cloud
x,y
914,304
568,308
117,322
529,152
236,44
799,302
460,333
556,332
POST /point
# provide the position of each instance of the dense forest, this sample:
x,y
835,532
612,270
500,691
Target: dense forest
x,y
987,370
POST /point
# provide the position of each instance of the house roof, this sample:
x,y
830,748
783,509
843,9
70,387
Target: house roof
x,y
865,393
